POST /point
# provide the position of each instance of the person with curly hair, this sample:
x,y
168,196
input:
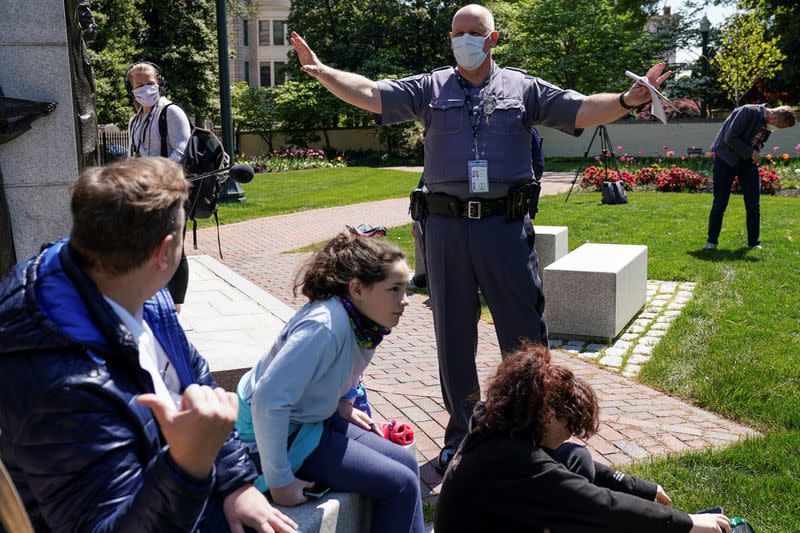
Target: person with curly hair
x,y
515,471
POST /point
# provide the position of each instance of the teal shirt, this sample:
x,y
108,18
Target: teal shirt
x,y
312,364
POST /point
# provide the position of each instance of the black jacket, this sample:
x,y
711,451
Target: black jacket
x,y
735,137
83,454
499,483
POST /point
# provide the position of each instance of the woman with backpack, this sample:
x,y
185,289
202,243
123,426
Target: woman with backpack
x,y
145,85
294,407
515,472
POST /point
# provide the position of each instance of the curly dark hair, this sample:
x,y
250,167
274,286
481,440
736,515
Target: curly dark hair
x,y
528,389
342,259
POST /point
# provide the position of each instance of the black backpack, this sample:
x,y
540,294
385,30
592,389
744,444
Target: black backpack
x,y
204,153
614,192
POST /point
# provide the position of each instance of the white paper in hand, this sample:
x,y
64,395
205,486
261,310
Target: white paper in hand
x,y
656,109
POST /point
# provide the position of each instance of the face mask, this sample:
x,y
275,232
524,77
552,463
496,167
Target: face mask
x,y
147,95
468,50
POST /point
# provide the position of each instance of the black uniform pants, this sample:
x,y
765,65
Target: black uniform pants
x,y
497,257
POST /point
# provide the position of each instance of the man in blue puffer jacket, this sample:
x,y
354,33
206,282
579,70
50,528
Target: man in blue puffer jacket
x,y
109,418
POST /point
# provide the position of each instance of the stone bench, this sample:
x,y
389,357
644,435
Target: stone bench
x,y
337,512
552,244
594,291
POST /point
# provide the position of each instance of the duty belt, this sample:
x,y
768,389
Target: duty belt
x,y
444,204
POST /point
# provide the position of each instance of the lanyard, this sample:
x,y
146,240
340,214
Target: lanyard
x,y
486,106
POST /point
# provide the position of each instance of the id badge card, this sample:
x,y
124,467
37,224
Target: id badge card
x,y
478,175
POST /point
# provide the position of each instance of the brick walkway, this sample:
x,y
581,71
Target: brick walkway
x,y
638,422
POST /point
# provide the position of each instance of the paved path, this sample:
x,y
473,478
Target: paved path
x,y
638,422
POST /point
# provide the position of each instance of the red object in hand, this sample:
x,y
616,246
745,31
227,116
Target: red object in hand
x,y
399,433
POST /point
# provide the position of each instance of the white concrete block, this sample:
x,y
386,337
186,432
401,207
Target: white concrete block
x,y
552,243
595,290
337,512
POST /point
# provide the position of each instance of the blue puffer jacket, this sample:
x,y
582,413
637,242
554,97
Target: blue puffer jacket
x,y
83,454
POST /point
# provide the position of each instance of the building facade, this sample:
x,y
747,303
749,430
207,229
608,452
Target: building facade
x,y
261,44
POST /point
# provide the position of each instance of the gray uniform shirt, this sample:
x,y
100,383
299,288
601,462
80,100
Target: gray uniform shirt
x,y
437,100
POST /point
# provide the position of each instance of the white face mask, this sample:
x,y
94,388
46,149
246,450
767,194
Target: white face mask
x,y
147,95
468,50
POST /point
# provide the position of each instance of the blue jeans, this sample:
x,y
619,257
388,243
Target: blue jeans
x,y
750,185
350,459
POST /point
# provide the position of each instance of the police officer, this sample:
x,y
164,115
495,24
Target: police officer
x,y
478,119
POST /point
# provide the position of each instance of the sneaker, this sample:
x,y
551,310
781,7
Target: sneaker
x,y
443,460
710,246
756,247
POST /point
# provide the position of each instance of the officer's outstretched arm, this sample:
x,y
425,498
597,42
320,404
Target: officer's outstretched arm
x,y
603,108
352,88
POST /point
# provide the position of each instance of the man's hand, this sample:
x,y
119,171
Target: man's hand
x,y
308,59
757,158
638,93
357,417
662,497
246,506
710,523
291,494
196,433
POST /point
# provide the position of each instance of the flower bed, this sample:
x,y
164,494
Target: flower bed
x,y
280,161
666,180
680,179
595,176
663,173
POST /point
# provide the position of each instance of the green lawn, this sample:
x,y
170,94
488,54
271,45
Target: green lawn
x,y
734,350
276,193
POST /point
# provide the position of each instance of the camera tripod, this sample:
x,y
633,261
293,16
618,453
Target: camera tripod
x,y
606,151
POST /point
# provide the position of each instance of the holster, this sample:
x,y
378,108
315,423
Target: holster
x,y
418,205
519,200
536,189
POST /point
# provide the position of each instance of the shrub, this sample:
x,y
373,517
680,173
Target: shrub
x,y
293,159
649,175
770,181
628,180
680,179
595,176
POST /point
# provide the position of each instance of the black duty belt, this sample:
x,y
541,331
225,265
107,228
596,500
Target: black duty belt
x,y
444,204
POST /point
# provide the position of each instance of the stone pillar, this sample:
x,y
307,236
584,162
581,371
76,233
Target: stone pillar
x,y
43,58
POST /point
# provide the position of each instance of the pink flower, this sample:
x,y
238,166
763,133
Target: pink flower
x,y
666,147
619,147
775,148
797,147
597,158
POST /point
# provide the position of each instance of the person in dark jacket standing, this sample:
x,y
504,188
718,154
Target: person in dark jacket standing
x,y
738,153
514,472
109,418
